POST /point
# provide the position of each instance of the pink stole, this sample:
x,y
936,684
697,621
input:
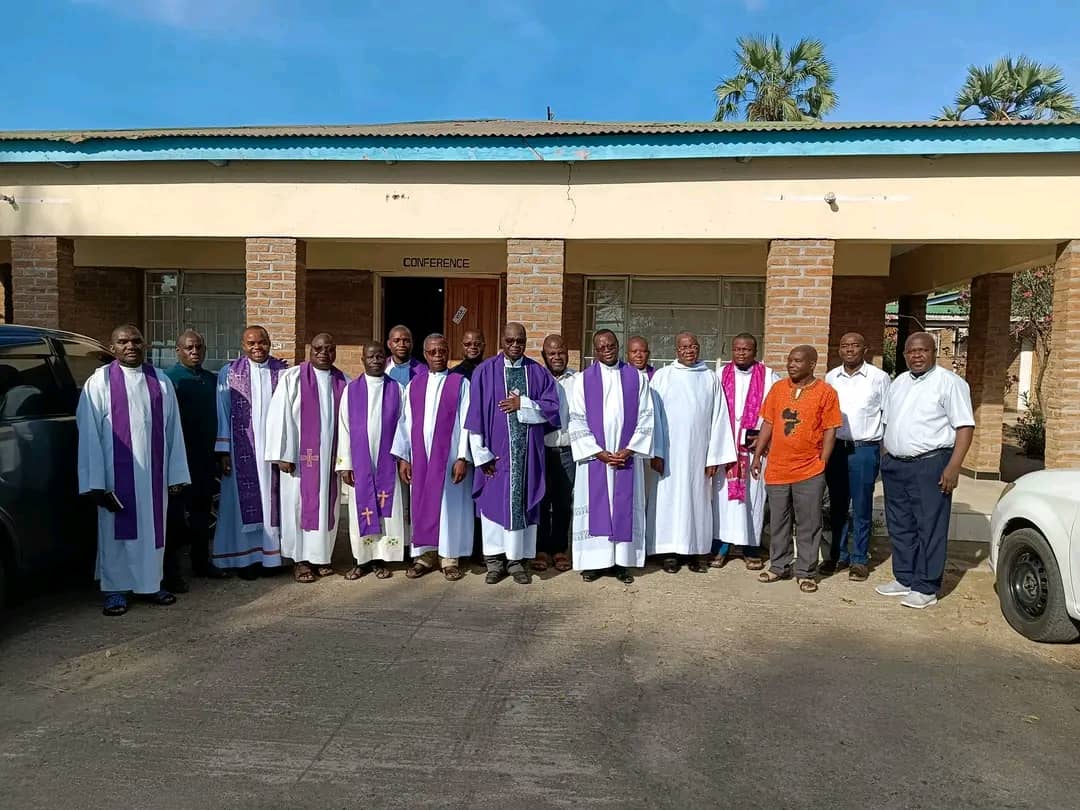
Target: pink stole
x,y
736,475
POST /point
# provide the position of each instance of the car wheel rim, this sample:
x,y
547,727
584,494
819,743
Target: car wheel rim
x,y
1028,583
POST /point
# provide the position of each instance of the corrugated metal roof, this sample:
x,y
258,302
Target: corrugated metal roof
x,y
500,128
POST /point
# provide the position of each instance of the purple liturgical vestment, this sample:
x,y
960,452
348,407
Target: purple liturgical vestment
x,y
310,436
126,525
370,505
487,421
618,523
243,444
429,472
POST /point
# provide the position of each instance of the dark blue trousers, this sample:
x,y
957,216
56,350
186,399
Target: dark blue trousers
x,y
917,513
850,476
556,510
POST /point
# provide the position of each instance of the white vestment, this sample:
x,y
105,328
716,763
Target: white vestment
x,y
659,439
456,512
591,552
129,565
516,544
385,541
732,518
237,545
315,546
697,435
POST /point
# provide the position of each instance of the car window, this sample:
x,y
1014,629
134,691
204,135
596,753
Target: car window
x,y
83,359
28,386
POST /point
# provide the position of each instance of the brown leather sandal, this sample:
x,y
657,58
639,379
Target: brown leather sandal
x,y
416,570
302,573
452,573
562,563
541,562
807,586
769,577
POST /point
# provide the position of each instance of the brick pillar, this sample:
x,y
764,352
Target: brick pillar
x,y
798,299
858,306
43,281
534,288
1062,384
910,318
989,350
276,292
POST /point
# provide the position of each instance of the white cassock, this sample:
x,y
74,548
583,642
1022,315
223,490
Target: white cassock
x,y
128,565
591,552
388,543
696,435
659,438
237,545
314,546
516,544
456,512
732,518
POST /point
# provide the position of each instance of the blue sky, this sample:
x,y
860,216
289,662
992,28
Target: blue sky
x,y
144,63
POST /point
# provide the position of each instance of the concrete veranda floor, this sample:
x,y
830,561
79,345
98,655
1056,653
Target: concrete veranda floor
x,y
678,691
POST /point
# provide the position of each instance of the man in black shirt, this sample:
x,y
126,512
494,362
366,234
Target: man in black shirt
x,y
473,344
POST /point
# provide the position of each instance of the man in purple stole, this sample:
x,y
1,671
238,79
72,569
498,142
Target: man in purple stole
x,y
403,367
248,533
739,499
131,457
368,419
302,435
432,446
611,433
514,402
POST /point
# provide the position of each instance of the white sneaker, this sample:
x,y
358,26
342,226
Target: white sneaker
x,y
894,588
919,600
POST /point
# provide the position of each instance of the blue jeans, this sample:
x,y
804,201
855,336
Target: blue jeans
x,y
722,548
850,476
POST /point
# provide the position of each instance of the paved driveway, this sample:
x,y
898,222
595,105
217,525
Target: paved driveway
x,y
679,691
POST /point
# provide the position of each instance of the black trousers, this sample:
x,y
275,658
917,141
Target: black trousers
x,y
917,513
187,524
556,510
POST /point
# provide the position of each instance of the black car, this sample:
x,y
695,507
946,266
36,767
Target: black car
x,y
44,524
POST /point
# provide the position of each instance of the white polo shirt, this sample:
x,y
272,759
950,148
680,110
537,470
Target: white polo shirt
x,y
862,402
922,413
561,437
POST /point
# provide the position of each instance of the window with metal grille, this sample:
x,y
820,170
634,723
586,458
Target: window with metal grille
x,y
210,303
715,309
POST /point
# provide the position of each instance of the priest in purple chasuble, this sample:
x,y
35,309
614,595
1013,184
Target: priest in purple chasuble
x,y
611,437
248,532
367,423
302,437
739,499
697,445
432,448
514,403
131,456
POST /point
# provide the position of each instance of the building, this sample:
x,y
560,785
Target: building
x,y
797,232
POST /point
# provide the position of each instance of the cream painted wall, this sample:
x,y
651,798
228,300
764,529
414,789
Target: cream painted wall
x,y
910,199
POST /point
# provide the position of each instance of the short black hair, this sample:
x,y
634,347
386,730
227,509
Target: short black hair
x,y
745,336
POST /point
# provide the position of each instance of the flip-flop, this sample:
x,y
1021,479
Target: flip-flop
x,y
382,572
116,604
324,571
354,573
162,597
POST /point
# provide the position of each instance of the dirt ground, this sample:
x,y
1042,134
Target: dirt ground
x,y
687,690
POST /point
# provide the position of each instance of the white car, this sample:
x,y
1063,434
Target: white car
x,y
1035,554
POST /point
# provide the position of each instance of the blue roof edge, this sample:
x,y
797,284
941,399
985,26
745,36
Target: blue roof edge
x,y
871,142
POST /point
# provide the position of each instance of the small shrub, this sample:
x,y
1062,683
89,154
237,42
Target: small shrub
x,y
1031,430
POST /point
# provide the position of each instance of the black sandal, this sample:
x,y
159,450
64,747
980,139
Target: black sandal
x,y
672,565
624,576
698,566
591,576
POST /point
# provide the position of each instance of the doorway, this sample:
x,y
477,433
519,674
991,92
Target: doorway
x,y
450,306
416,303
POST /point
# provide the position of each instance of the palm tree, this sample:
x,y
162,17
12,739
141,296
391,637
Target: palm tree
x,y
1013,90
772,85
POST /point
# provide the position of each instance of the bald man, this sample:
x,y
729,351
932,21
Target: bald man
x,y
800,417
301,440
553,533
189,510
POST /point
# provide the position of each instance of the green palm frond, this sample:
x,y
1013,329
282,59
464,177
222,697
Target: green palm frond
x,y
1014,89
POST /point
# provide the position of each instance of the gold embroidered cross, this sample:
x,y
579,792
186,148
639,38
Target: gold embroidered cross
x,y
309,458
366,514
383,498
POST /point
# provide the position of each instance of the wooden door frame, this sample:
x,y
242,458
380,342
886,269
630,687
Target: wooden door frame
x,y
377,276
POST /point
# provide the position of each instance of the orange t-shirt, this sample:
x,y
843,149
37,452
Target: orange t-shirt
x,y
799,426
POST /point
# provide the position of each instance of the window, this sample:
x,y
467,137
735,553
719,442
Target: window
x,y
211,303
28,387
715,309
83,359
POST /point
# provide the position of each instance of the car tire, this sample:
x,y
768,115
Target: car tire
x,y
1030,590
